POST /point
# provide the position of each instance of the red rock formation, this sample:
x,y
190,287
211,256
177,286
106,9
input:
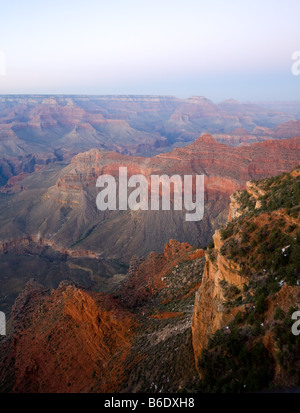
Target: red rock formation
x,y
73,340
68,341
226,168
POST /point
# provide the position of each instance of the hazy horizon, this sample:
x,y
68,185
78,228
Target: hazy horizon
x,y
240,50
151,95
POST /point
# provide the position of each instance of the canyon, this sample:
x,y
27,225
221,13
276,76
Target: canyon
x,y
178,317
51,228
142,300
37,130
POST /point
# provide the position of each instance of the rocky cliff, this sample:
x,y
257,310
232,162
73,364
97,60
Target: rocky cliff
x,y
249,291
220,277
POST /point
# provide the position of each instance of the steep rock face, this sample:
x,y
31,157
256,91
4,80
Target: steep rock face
x,y
249,291
89,336
234,208
210,313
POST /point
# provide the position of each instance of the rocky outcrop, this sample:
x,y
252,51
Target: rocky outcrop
x,y
254,192
234,208
146,278
250,289
69,340
210,311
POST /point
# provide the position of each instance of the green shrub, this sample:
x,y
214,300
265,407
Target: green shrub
x,y
227,231
231,364
278,314
261,304
211,244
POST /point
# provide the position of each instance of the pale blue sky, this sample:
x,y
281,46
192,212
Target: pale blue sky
x,y
215,48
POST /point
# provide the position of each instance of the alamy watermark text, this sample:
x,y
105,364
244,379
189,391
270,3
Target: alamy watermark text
x,y
296,64
187,193
296,325
2,324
